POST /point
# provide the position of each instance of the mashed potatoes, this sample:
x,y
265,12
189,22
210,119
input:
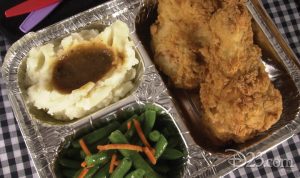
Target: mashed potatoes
x,y
93,95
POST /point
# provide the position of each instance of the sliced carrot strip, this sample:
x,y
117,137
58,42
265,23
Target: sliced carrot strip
x,y
83,164
119,147
128,125
140,132
116,163
92,165
150,155
152,150
112,163
84,147
83,173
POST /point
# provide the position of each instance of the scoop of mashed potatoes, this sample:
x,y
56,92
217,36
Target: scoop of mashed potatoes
x,y
91,96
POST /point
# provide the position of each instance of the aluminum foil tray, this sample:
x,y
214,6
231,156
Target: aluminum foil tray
x,y
44,139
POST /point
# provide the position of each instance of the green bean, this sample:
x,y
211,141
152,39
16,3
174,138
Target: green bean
x,y
69,172
92,171
101,133
78,173
173,142
140,163
172,154
122,168
75,143
152,107
93,147
160,146
154,136
117,137
68,163
141,117
123,127
129,134
169,131
97,135
166,132
95,159
124,115
73,153
82,154
162,168
138,173
59,173
150,117
103,172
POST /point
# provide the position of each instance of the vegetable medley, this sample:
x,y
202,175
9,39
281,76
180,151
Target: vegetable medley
x,y
142,144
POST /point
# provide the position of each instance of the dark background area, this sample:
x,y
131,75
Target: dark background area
x,y
9,27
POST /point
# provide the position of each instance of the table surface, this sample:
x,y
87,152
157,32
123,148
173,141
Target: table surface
x,y
16,162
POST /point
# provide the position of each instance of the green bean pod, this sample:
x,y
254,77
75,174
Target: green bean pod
x,y
97,134
152,107
150,117
162,168
141,117
118,137
173,142
172,154
123,127
82,154
73,153
127,113
59,173
160,146
122,168
154,136
138,173
69,163
95,159
129,133
169,131
78,173
103,172
92,171
93,147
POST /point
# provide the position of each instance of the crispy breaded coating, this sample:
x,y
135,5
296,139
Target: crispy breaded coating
x,y
210,42
237,95
180,30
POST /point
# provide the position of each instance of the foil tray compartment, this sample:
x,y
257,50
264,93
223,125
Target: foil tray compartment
x,y
44,141
135,106
14,67
282,67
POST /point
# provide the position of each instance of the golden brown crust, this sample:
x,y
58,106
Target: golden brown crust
x,y
237,96
211,43
181,28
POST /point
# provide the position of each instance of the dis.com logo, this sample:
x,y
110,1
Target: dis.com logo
x,y
257,160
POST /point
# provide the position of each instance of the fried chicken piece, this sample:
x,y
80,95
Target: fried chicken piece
x,y
238,98
180,30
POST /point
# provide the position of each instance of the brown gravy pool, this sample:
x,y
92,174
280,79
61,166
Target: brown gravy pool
x,y
82,64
